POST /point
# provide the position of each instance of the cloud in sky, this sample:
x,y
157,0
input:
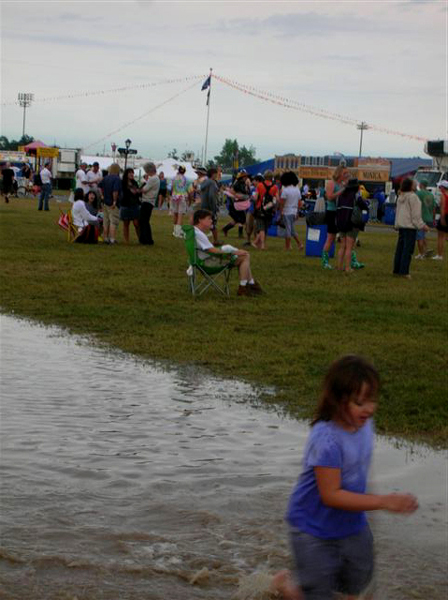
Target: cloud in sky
x,y
379,62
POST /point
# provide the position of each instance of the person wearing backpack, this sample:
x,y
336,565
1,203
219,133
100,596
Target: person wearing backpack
x,y
348,228
266,199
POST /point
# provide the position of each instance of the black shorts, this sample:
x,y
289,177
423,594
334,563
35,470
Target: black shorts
x,y
441,227
330,221
162,193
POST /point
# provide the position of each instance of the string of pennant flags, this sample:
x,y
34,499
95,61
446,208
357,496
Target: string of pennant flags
x,y
253,91
87,94
142,116
293,104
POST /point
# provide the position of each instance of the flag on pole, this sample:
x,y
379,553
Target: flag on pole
x,y
206,83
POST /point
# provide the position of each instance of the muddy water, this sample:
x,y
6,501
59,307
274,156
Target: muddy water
x,y
122,480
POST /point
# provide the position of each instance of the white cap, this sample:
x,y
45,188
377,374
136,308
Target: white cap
x,y
443,184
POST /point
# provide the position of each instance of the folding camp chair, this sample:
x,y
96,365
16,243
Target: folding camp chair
x,y
65,222
202,276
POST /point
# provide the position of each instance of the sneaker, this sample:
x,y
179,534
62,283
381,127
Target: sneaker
x,y
244,290
419,257
247,244
437,257
255,288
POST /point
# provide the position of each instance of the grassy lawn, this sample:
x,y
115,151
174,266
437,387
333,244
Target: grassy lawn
x,y
135,298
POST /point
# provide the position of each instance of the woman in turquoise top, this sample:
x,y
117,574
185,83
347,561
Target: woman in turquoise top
x,y
332,192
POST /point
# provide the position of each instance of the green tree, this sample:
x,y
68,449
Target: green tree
x,y
231,151
173,154
6,144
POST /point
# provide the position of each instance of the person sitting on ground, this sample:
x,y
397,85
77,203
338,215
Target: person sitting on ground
x,y
83,220
91,202
289,207
202,220
266,199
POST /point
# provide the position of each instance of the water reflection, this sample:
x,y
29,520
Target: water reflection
x,y
121,479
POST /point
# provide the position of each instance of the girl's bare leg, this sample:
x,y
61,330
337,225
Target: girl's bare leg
x,y
349,243
137,228
328,242
126,232
341,254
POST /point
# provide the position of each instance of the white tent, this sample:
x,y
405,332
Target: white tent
x,y
170,166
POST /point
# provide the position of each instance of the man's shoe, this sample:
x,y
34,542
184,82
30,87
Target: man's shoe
x,y
255,288
419,257
244,290
437,257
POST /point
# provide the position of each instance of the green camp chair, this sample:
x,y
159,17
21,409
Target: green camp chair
x,y
202,276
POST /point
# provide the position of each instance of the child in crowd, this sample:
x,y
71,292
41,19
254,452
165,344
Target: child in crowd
x,y
289,207
329,533
178,203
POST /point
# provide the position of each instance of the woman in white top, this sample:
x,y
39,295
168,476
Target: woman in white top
x,y
150,192
84,221
289,207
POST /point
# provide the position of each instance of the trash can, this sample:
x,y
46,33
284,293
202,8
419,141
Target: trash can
x,y
389,213
315,241
272,230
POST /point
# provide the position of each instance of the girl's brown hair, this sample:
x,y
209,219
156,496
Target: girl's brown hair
x,y
343,380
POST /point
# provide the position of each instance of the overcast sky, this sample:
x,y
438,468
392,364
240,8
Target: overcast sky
x,y
381,62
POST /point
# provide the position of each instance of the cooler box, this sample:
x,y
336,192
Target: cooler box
x,y
389,213
272,230
315,240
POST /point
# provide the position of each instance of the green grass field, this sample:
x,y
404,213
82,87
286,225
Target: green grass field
x,y
135,298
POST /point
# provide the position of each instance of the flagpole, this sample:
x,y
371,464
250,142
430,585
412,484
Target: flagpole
x,y
208,118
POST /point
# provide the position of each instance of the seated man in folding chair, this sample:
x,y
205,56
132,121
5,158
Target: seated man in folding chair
x,y
202,221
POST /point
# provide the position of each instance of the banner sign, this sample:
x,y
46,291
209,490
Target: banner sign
x,y
12,156
48,152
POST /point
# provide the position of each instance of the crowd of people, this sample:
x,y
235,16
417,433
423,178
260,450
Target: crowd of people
x,y
254,203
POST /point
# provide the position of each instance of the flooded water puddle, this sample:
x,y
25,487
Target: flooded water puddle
x,y
122,480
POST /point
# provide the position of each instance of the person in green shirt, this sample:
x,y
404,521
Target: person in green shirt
x,y
428,207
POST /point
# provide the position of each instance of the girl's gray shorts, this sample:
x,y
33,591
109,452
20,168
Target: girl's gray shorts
x,y
289,225
324,567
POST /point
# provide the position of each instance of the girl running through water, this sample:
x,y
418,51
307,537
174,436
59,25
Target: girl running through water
x,y
329,533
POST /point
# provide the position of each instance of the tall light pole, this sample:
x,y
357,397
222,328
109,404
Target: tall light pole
x,y
362,127
24,101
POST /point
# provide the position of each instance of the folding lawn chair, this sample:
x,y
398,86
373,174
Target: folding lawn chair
x,y
202,276
65,222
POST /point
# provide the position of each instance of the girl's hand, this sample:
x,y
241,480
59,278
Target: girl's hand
x,y
401,503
